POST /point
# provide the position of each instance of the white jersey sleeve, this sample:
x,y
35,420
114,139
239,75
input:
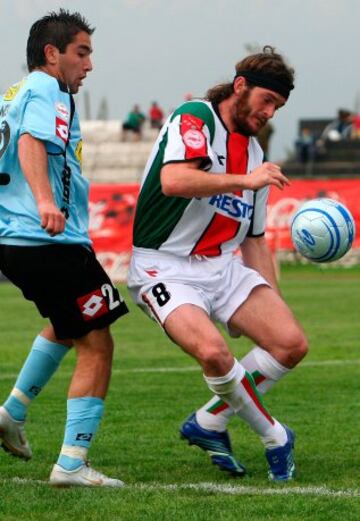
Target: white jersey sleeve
x,y
190,136
189,144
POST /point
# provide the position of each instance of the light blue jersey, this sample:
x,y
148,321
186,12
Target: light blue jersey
x,y
41,106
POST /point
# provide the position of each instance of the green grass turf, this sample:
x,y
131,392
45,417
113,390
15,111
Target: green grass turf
x,y
139,442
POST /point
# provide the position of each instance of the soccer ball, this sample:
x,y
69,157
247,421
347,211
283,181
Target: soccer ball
x,y
322,230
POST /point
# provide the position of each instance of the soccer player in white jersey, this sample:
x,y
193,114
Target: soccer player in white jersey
x,y
204,194
45,247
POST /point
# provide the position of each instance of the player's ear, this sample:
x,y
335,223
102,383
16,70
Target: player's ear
x,y
51,54
239,84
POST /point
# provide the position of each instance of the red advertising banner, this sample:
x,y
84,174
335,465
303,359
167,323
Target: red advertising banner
x,y
112,211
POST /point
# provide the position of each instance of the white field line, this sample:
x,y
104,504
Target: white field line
x,y
315,363
193,368
233,490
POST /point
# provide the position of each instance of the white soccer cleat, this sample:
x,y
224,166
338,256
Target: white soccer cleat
x,y
12,436
85,476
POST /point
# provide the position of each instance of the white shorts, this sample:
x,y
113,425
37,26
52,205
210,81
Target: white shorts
x,y
160,282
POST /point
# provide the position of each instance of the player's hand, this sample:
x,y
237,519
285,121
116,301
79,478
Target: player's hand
x,y
267,174
52,219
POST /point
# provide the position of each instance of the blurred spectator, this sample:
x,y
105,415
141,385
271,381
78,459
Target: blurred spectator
x,y
264,136
352,131
337,129
133,124
305,146
156,116
355,127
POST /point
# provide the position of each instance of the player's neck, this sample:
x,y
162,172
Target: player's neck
x,y
225,108
50,70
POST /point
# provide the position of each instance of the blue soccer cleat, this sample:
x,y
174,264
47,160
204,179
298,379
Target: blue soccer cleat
x,y
281,459
216,444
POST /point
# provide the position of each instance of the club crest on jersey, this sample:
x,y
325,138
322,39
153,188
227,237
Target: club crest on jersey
x,y
62,109
61,129
92,305
194,139
78,151
13,90
191,129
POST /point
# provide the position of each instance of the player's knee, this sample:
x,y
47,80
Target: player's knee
x,y
295,346
214,357
302,347
97,344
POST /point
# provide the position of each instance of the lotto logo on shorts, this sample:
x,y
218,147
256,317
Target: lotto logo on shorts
x,y
92,305
62,129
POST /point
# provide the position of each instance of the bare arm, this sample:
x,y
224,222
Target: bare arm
x,y
34,163
187,180
257,255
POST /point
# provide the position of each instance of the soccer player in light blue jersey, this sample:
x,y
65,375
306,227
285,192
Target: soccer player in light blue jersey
x,y
44,244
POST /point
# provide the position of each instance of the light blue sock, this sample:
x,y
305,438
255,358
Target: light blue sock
x,y
83,418
41,363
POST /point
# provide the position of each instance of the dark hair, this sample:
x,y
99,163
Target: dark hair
x,y
266,62
58,29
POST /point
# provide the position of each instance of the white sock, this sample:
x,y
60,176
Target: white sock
x,y
215,414
237,388
264,369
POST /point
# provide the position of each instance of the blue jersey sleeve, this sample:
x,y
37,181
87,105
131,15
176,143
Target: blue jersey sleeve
x,y
47,113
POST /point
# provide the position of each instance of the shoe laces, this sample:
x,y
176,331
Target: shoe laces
x,y
94,473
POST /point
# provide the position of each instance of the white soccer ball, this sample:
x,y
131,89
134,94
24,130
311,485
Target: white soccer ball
x,y
322,230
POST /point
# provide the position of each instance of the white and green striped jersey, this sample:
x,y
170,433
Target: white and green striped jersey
x,y
207,226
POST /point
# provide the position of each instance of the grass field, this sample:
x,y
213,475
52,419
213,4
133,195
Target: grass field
x,y
155,386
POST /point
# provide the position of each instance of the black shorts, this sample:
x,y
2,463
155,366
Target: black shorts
x,y
67,284
126,126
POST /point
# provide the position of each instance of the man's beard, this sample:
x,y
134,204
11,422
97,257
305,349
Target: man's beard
x,y
240,112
